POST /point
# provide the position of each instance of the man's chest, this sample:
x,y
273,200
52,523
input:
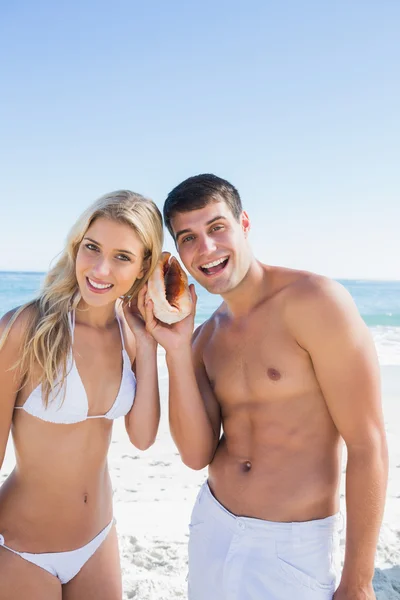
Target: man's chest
x,y
258,363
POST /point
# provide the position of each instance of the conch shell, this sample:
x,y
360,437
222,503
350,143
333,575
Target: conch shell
x,y
168,288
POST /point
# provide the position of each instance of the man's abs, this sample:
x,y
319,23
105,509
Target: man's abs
x,y
278,465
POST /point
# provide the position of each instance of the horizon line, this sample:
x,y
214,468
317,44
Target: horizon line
x,y
329,277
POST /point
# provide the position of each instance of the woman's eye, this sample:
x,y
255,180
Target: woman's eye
x,y
123,257
91,247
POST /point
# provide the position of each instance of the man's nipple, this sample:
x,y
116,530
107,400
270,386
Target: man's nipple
x,y
273,374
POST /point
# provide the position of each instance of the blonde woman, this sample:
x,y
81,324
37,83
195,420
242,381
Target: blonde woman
x,y
65,374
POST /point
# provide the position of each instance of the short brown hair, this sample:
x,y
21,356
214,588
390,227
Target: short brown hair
x,y
198,191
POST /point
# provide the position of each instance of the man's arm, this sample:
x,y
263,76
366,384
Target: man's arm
x,y
327,324
194,413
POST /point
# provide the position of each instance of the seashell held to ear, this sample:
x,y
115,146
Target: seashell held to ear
x,y
168,288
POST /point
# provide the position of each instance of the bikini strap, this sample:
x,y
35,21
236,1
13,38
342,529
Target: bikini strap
x,y
3,545
71,320
121,332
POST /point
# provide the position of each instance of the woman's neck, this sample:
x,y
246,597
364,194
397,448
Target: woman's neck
x,y
97,317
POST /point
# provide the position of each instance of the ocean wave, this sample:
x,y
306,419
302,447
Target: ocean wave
x,y
387,343
388,319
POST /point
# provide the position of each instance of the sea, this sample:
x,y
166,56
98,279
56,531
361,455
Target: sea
x,y
377,301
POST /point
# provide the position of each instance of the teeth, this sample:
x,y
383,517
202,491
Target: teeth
x,y
100,286
213,264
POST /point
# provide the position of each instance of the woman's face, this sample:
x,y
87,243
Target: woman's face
x,y
109,260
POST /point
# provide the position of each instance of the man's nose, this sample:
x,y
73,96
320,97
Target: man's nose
x,y
207,245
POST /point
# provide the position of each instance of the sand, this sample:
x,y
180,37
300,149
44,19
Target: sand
x,y
154,493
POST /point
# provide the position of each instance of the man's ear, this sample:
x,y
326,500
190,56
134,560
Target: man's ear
x,y
245,222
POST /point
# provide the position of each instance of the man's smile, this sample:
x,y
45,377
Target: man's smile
x,y
214,267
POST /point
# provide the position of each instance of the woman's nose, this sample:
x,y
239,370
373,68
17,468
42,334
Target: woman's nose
x,y
102,267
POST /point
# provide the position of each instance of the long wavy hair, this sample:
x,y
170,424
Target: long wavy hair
x,y
47,339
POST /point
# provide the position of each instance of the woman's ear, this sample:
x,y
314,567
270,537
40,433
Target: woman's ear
x,y
145,267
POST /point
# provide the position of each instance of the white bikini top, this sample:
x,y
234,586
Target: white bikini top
x,y
70,405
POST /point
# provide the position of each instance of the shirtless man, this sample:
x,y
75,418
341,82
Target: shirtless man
x,y
288,369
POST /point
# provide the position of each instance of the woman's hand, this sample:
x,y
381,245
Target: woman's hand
x,y
135,316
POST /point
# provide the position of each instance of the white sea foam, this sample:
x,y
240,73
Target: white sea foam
x,y
387,342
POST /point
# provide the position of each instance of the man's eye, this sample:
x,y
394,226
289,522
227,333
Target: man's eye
x,y
216,228
188,238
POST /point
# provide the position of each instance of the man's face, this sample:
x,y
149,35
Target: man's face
x,y
213,246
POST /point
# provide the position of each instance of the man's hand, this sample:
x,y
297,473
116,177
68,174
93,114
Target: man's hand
x,y
171,337
355,593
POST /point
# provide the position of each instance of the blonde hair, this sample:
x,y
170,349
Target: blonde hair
x,y
47,340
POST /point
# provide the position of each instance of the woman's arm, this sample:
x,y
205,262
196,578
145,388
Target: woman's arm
x,y
143,419
9,378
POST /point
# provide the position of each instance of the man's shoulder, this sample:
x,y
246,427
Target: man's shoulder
x,y
204,332
305,287
318,301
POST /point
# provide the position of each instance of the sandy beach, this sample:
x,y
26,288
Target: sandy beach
x,y
154,493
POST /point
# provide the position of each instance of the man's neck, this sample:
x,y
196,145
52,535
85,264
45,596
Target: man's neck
x,y
250,291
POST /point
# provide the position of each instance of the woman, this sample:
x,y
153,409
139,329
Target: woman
x,y
65,374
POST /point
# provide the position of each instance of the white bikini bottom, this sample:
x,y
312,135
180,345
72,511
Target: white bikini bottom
x,y
64,565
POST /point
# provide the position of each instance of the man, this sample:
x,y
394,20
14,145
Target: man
x,y
288,369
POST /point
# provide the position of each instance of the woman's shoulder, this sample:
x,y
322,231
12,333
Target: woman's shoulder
x,y
15,322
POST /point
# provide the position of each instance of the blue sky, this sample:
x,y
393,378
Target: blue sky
x,y
297,103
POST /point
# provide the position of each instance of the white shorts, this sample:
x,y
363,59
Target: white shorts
x,y
241,558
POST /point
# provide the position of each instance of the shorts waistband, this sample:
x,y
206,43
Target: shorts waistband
x,y
319,528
